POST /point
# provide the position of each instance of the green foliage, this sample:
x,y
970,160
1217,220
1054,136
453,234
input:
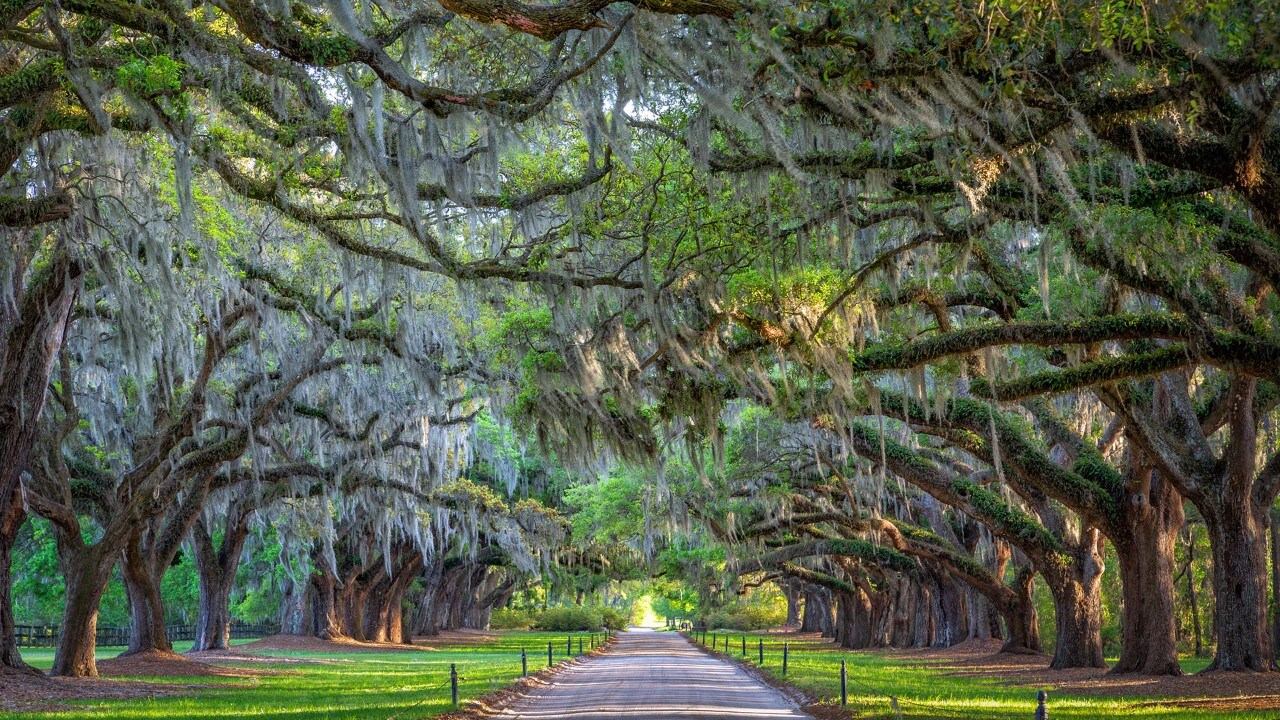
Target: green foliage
x,y
569,618
512,619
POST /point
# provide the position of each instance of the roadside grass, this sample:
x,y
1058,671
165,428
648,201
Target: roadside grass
x,y
373,685
931,692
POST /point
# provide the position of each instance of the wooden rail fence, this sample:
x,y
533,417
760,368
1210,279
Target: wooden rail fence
x,y
47,635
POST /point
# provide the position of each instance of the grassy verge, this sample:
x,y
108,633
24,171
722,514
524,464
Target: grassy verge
x,y
929,692
377,685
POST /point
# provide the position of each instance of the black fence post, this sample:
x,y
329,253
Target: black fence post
x,y
549,663
568,646
844,684
593,641
761,642
786,650
1042,710
453,682
744,644
524,663
579,644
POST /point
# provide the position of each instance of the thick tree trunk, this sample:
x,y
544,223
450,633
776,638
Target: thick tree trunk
x,y
1018,611
216,569
147,631
325,622
1237,538
86,575
794,597
1275,582
29,343
11,520
1146,556
1077,604
812,613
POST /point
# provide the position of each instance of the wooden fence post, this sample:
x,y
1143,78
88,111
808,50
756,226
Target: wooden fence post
x,y
524,663
453,682
844,684
549,663
786,650
761,643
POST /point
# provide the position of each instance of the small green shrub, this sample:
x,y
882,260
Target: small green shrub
x,y
569,618
511,619
614,619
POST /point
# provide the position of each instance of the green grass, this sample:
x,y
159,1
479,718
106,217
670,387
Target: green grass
x,y
930,692
381,685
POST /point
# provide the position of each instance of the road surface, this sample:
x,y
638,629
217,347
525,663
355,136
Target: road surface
x,y
657,676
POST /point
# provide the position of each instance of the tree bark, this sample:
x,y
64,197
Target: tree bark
x,y
1237,539
217,571
29,343
1018,610
86,574
1077,604
11,520
147,632
325,621
793,595
1146,556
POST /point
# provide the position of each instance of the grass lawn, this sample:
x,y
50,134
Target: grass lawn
x,y
357,684
931,692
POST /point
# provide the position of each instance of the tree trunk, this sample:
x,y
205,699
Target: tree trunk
x,y
1018,610
1237,539
1146,555
325,622
217,571
86,575
1275,582
29,343
1077,604
1191,592
812,621
793,595
10,658
147,631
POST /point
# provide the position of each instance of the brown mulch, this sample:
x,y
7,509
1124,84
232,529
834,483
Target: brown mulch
x,y
27,693
237,655
167,664
307,643
1220,691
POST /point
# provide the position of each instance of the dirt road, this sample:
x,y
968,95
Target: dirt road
x,y
657,676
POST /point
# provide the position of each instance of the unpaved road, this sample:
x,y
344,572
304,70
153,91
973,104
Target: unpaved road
x,y
657,676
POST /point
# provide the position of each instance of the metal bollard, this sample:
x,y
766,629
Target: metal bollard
x,y
549,662
844,684
761,647
524,663
1042,710
786,651
453,682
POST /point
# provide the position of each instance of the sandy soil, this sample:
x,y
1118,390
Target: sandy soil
x,y
657,676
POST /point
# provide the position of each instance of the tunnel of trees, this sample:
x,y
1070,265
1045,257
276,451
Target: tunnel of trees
x,y
952,320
